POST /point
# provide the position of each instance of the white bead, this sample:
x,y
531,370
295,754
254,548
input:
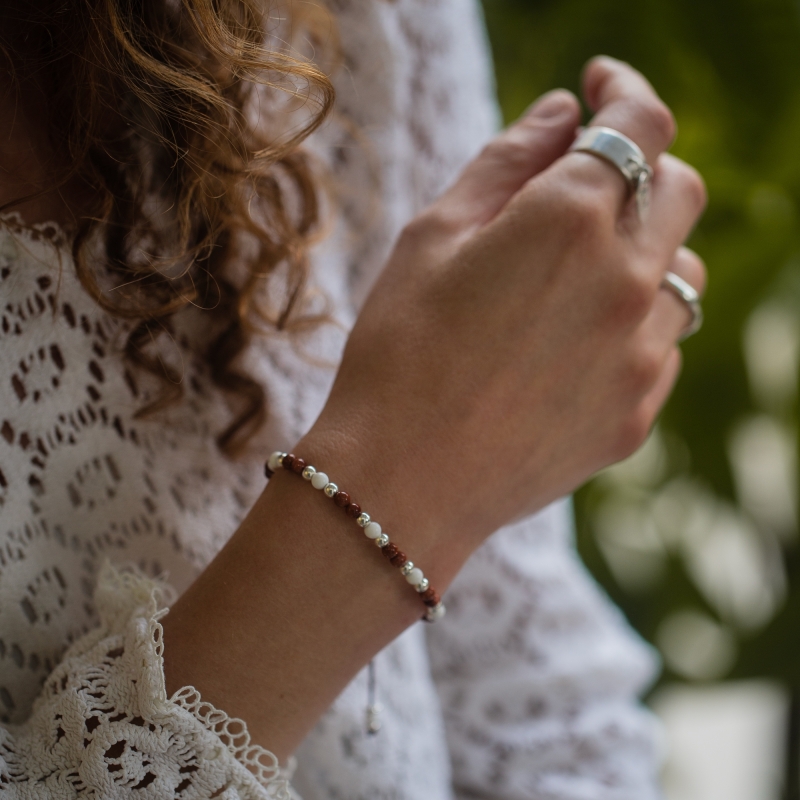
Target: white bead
x,y
374,718
382,540
275,460
373,530
363,520
331,489
415,576
407,567
309,472
435,613
319,480
423,585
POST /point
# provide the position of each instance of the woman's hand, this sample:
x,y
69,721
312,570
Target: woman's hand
x,y
517,341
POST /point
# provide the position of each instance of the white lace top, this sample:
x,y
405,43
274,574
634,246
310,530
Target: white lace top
x,y
526,690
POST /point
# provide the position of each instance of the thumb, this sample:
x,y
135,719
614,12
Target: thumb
x,y
512,158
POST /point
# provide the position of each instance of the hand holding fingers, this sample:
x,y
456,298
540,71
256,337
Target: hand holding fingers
x,y
532,310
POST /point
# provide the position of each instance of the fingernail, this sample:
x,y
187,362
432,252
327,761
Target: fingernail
x,y
557,103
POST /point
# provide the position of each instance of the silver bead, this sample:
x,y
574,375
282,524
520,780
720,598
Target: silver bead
x,y
363,520
423,585
382,540
407,567
280,458
309,472
331,489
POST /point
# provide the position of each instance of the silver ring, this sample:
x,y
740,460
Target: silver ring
x,y
625,155
688,294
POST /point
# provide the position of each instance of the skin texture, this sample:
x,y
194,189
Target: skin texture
x,y
516,342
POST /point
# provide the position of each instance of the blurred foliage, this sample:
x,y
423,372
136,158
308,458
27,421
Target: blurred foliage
x,y
730,70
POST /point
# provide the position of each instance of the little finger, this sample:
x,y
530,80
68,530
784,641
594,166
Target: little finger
x,y
671,316
654,401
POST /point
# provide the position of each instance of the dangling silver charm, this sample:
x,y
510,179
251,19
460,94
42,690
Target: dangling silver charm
x,y
374,718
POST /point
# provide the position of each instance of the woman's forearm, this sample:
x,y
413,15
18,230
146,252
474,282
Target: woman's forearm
x,y
299,600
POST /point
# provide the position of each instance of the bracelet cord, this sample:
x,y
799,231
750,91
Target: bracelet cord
x,y
434,607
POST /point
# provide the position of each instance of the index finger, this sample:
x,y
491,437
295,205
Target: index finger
x,y
624,100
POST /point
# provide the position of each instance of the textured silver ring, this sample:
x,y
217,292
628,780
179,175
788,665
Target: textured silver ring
x,y
623,153
689,295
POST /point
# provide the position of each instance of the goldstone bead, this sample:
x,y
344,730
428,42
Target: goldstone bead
x,y
298,465
390,550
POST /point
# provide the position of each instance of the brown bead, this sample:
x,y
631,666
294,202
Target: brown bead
x,y
298,465
268,472
342,499
353,510
390,551
288,462
431,597
399,559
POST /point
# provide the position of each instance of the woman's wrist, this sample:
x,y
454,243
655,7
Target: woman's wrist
x,y
389,479
285,615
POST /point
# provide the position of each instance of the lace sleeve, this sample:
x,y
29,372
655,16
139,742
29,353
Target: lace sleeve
x,y
539,675
103,727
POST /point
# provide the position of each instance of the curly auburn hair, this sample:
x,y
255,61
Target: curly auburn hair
x,y
155,107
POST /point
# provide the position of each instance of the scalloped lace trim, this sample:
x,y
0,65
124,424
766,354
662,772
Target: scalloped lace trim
x,y
51,232
103,726
120,597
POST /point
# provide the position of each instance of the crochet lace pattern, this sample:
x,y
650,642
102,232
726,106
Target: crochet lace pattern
x,y
527,689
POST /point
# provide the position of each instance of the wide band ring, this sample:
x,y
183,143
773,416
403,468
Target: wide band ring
x,y
623,153
689,295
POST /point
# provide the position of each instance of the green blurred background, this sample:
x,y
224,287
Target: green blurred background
x,y
695,538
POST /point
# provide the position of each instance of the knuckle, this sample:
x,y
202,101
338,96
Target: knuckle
x,y
644,368
657,117
632,296
431,224
507,150
694,185
693,268
632,433
686,180
580,206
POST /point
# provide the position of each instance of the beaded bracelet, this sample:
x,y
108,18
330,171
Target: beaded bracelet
x,y
435,608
